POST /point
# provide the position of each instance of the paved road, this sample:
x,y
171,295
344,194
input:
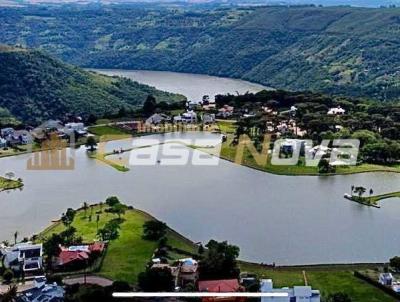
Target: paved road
x,y
89,279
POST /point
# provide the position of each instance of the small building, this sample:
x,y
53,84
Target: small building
x,y
24,258
386,279
189,117
295,294
221,286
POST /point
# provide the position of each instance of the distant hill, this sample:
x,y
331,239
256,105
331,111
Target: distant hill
x,y
35,87
345,50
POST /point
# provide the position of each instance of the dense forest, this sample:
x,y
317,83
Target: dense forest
x,y
35,87
352,51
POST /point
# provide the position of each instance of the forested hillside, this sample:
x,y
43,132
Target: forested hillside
x,y
35,87
335,49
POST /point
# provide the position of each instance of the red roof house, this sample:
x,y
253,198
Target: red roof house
x,y
221,286
72,258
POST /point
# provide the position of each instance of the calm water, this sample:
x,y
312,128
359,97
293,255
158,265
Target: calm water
x,y
193,86
287,220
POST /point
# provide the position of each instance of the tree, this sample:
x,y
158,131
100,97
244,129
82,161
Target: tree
x,y
118,209
338,297
149,106
112,201
8,275
10,295
68,217
91,143
16,237
109,232
154,230
395,263
51,248
324,166
10,175
360,191
85,207
219,261
156,280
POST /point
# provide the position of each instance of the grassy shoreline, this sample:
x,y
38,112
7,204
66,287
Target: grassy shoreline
x,y
128,255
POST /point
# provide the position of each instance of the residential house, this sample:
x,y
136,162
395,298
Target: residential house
x,y
20,137
188,271
295,294
41,132
78,256
386,279
42,292
6,132
208,118
72,128
225,111
189,117
26,258
336,111
158,118
221,286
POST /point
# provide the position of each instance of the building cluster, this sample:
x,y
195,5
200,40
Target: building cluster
x,y
10,137
26,260
185,271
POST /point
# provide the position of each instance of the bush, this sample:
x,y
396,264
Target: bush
x,y
8,275
154,230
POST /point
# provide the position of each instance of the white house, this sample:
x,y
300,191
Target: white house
x,y
27,257
157,118
295,294
189,117
336,111
79,128
386,279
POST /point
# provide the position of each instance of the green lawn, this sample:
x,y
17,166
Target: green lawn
x,y
128,255
107,130
328,279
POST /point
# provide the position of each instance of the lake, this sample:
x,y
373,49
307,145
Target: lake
x,y
193,86
281,219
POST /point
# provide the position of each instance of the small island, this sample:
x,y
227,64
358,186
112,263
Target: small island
x,y
371,200
9,182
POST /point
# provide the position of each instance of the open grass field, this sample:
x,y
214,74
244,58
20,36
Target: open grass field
x,y
128,255
328,279
107,130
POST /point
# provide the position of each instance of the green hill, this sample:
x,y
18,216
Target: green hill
x,y
346,50
35,87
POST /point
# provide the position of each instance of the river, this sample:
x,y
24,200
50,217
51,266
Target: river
x,y
193,86
284,219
